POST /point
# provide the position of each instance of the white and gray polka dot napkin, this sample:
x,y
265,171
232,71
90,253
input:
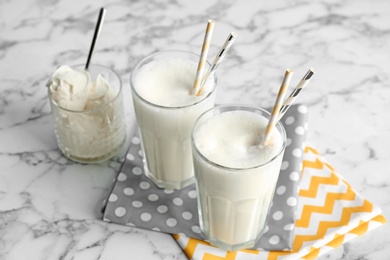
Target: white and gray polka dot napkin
x,y
136,201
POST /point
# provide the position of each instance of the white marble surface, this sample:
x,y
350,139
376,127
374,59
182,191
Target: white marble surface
x,y
49,206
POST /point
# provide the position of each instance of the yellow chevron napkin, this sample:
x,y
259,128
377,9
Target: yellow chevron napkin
x,y
329,213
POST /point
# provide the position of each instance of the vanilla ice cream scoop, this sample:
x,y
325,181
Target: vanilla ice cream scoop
x,y
75,90
69,88
99,92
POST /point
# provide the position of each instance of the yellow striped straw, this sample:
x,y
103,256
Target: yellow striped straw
x,y
203,56
301,85
217,60
276,109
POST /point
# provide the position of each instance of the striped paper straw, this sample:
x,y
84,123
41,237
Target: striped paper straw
x,y
217,60
303,83
275,111
203,56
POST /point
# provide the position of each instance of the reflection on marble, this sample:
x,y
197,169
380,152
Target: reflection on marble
x,y
50,206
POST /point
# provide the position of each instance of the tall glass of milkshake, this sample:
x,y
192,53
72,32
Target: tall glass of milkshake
x,y
166,111
235,177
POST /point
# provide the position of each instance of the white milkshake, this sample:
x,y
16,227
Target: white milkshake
x,y
166,112
235,178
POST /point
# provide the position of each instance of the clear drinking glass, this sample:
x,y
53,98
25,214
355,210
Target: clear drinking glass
x,y
233,202
96,134
165,131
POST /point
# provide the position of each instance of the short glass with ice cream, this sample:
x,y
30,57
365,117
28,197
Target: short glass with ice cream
x,y
88,112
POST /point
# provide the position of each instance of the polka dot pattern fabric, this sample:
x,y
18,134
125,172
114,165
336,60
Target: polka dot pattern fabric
x,y
137,201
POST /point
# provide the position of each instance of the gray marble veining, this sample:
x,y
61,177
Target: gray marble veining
x,y
50,207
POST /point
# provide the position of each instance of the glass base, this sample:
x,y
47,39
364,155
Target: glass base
x,y
167,184
229,247
97,159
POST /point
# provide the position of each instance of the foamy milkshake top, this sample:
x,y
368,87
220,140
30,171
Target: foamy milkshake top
x,y
168,82
74,90
231,140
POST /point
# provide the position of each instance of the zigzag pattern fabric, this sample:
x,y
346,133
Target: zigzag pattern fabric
x,y
329,213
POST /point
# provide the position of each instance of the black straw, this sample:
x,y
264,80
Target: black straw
x,y
98,28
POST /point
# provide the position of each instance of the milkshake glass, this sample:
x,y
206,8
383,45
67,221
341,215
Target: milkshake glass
x,y
235,179
166,112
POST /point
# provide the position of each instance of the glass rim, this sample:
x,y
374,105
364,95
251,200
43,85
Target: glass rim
x,y
138,66
245,108
117,95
